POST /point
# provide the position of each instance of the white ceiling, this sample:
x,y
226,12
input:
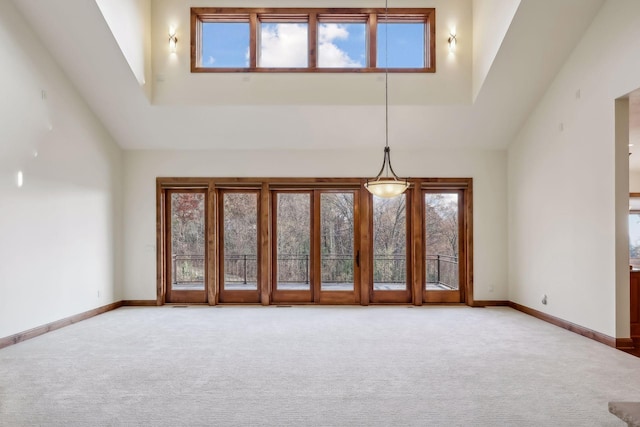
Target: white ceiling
x,y
541,36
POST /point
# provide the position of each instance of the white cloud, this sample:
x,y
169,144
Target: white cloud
x,y
329,32
329,54
211,60
283,45
286,45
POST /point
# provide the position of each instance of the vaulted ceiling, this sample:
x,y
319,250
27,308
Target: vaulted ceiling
x,y
167,107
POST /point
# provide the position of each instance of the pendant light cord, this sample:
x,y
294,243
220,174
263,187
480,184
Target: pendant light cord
x,y
387,187
386,71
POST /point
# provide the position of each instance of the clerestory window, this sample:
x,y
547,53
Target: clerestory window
x,y
312,40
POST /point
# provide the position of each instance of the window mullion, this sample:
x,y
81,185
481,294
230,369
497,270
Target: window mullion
x,y
373,40
313,40
196,42
253,41
316,269
264,248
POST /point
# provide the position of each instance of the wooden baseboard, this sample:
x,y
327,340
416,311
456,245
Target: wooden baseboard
x,y
39,330
580,330
625,344
489,303
140,303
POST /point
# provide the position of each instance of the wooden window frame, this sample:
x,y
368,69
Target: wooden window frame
x,y
313,16
266,187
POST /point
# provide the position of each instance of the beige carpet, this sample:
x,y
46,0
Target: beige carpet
x,y
313,366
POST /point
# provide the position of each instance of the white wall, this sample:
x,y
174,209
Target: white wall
x,y
174,84
491,20
563,200
634,181
487,168
60,230
129,21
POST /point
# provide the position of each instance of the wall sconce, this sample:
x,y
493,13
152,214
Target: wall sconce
x,y
452,42
173,40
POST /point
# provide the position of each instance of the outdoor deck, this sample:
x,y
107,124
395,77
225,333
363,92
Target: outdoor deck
x,y
294,272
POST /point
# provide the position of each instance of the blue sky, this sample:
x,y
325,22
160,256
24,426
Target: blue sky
x,y
225,44
285,45
406,45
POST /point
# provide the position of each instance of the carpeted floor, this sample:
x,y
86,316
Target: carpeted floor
x,y
313,366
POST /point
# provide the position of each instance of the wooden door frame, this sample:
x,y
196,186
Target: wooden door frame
x,y
402,296
464,187
634,293
236,296
337,297
189,296
291,296
446,296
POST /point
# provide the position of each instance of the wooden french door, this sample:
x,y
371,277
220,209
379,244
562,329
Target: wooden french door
x,y
239,252
391,249
315,246
314,241
444,245
338,270
186,248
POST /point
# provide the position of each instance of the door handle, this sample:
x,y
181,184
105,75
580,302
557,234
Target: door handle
x,y
358,259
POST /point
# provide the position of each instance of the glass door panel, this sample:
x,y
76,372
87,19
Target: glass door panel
x,y
442,245
336,241
390,252
292,272
187,231
634,236
389,244
441,248
239,249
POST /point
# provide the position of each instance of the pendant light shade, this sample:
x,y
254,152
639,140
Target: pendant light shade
x,y
390,185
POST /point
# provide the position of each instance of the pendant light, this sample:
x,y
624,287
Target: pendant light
x,y
389,185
